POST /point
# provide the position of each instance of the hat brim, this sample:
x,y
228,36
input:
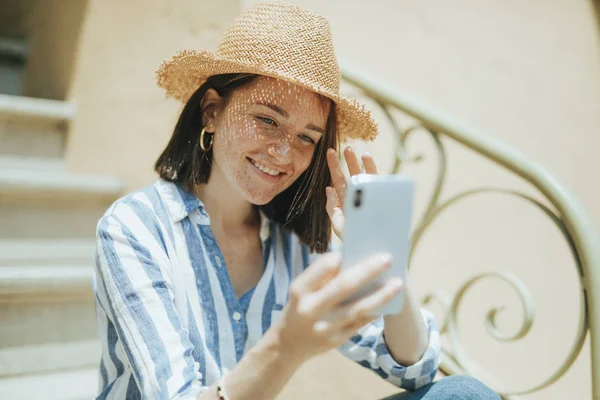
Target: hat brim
x,y
181,77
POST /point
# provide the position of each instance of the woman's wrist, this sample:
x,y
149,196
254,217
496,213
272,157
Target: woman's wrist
x,y
281,349
263,372
406,334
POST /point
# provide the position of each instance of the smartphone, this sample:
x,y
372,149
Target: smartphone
x,y
377,211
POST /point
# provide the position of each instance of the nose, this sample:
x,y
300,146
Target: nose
x,y
280,151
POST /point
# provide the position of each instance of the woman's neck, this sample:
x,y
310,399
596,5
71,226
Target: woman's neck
x,y
228,211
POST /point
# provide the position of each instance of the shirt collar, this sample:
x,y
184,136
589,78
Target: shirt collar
x,y
181,203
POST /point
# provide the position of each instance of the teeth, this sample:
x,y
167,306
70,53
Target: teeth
x,y
265,169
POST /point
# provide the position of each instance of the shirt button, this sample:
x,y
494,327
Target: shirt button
x,y
237,316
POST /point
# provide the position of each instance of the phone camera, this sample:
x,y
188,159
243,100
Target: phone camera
x,y
357,198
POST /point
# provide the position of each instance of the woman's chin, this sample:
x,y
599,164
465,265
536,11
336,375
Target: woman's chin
x,y
260,203
258,197
261,200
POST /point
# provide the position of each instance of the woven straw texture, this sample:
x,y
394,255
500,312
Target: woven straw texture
x,y
278,40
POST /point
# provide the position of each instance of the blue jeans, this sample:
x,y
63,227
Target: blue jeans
x,y
457,387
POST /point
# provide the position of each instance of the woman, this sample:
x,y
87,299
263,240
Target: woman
x,y
205,274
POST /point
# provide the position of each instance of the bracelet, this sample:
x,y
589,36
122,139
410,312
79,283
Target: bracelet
x,y
221,394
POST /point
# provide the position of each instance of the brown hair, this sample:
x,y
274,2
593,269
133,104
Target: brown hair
x,y
300,208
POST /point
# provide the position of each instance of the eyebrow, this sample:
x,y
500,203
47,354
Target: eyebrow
x,y
285,114
313,127
275,108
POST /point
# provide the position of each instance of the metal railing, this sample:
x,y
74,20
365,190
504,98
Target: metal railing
x,y
565,212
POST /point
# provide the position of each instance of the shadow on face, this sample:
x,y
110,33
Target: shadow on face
x,y
265,135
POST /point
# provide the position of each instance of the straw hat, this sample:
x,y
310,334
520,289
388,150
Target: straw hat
x,y
278,40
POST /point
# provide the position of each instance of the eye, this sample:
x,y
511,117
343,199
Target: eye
x,y
267,121
307,139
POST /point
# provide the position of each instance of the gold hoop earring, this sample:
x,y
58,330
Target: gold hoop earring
x,y
206,149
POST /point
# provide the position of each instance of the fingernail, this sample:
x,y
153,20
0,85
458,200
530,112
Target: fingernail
x,y
386,258
396,283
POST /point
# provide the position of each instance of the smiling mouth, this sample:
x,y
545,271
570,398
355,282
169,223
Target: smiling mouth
x,y
264,169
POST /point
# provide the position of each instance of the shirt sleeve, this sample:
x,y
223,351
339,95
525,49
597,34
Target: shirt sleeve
x,y
133,287
368,348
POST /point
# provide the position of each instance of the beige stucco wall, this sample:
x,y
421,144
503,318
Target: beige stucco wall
x,y
123,119
527,73
52,29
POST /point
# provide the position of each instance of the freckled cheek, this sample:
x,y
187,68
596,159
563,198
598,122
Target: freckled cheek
x,y
303,162
236,127
235,139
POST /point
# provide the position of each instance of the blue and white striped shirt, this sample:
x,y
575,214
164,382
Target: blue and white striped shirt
x,y
169,319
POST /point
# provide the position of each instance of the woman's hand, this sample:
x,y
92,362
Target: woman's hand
x,y
314,319
335,194
406,334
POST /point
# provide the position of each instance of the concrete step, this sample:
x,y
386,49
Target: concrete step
x,y
14,252
48,319
76,384
31,108
58,221
49,357
24,163
44,283
34,127
44,181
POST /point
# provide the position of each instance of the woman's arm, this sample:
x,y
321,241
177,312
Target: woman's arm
x,y
261,374
404,348
406,333
369,348
305,328
134,290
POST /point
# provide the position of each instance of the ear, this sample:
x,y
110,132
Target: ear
x,y
210,107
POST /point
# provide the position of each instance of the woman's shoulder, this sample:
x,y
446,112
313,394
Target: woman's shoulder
x,y
148,205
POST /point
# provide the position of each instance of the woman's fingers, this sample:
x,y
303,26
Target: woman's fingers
x,y
365,306
347,320
314,320
347,283
316,274
352,161
337,176
369,163
356,313
354,168
337,332
334,210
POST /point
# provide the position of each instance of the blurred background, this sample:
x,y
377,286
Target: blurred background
x,y
82,123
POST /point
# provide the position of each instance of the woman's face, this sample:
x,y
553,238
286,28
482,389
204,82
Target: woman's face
x,y
265,137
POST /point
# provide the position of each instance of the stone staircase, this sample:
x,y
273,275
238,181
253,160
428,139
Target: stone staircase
x,y
48,215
